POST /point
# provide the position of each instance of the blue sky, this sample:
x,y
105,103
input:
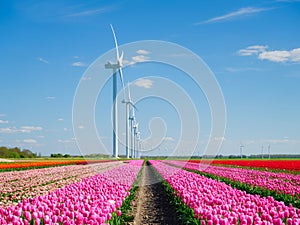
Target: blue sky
x,y
252,47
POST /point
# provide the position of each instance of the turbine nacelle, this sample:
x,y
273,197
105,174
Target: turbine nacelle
x,y
110,65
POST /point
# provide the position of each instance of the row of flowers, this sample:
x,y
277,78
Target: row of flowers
x,y
44,163
18,185
215,202
90,201
275,164
283,183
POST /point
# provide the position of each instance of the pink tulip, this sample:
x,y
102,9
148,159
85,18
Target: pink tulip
x,y
119,213
27,216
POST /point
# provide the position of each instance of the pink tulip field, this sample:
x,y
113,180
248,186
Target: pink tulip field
x,y
98,193
286,183
17,185
76,195
215,202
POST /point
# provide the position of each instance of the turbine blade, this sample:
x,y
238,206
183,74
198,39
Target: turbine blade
x,y
121,59
116,43
129,96
130,103
122,81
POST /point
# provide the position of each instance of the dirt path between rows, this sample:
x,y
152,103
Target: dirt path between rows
x,y
152,206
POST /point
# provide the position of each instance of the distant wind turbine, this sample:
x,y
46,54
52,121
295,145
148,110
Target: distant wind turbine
x,y
132,120
135,132
241,150
116,67
138,145
129,105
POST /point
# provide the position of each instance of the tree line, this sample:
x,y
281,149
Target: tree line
x,y
16,152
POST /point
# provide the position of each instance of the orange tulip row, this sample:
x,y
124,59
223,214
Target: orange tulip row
x,y
38,164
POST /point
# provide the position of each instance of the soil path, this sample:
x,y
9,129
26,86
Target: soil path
x,y
152,206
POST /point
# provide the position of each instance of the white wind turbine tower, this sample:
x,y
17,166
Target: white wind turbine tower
x,y
262,152
131,119
269,151
241,150
116,67
138,144
132,127
135,132
129,106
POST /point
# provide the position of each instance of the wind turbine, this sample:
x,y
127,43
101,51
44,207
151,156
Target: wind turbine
x,y
132,128
135,132
116,67
269,151
241,150
129,105
138,145
131,119
262,152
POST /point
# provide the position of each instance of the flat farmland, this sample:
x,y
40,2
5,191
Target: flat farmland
x,y
148,192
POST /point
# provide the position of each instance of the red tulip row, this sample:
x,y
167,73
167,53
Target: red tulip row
x,y
275,164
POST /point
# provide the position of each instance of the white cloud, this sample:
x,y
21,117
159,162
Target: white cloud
x,y
278,141
60,119
233,70
239,13
80,127
65,141
142,52
90,12
144,83
8,130
168,139
50,98
65,129
24,129
31,141
218,139
3,121
282,56
283,140
273,56
252,50
79,64
41,136
140,58
43,60
29,129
